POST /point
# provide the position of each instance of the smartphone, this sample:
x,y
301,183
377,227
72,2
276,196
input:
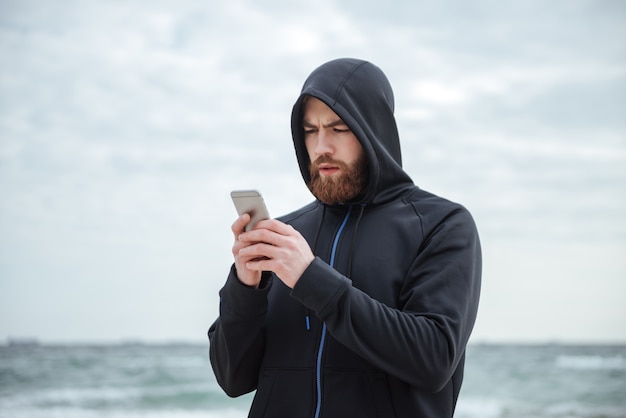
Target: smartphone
x,y
250,202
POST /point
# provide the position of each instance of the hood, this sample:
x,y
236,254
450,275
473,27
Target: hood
x,y
360,94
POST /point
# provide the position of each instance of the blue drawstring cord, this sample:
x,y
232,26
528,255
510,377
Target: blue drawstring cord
x,y
320,350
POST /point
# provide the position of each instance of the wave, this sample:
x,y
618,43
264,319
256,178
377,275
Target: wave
x,y
591,362
188,397
481,407
86,413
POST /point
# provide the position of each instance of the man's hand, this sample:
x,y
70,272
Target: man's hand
x,y
247,276
271,246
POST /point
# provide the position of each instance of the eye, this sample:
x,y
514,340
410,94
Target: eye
x,y
341,130
309,131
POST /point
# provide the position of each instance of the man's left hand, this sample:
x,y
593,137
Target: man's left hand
x,y
278,248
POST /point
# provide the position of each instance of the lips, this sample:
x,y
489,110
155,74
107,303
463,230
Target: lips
x,y
326,166
328,170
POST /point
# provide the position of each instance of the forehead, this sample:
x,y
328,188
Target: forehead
x,y
314,108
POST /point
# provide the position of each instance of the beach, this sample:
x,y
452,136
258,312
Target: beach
x,y
176,381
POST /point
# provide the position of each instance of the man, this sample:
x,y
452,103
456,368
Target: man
x,y
361,303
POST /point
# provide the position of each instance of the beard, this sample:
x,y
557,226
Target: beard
x,y
350,183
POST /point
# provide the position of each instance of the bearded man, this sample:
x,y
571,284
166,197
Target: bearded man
x,y
361,303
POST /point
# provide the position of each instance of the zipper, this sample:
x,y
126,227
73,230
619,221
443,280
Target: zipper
x,y
320,350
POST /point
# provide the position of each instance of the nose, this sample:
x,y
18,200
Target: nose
x,y
323,145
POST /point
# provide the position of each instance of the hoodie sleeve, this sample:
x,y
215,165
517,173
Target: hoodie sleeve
x,y
423,340
237,338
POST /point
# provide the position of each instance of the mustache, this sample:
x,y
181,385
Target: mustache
x,y
325,159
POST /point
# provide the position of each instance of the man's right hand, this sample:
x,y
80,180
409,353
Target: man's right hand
x,y
245,275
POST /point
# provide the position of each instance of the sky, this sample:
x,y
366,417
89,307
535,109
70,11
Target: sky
x,y
124,125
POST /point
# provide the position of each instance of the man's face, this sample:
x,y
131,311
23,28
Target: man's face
x,y
338,167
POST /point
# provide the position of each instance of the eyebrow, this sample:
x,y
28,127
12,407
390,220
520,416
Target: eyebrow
x,y
332,124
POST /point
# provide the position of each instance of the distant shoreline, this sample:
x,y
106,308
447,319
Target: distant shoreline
x,y
34,342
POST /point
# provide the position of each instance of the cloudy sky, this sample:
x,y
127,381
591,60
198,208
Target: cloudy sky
x,y
125,124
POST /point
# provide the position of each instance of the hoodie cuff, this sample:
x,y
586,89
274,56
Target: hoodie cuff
x,y
244,301
320,288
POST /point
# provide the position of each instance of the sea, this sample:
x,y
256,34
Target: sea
x,y
176,381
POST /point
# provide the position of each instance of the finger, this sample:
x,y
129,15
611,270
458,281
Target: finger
x,y
275,226
261,235
239,225
270,231
237,246
255,250
260,264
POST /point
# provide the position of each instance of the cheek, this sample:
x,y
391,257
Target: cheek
x,y
310,147
356,150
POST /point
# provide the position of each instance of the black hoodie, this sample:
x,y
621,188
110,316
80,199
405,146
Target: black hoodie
x,y
378,323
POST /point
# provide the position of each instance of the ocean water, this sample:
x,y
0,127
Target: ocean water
x,y
176,381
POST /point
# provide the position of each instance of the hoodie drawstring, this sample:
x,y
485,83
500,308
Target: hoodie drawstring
x,y
350,251
307,317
